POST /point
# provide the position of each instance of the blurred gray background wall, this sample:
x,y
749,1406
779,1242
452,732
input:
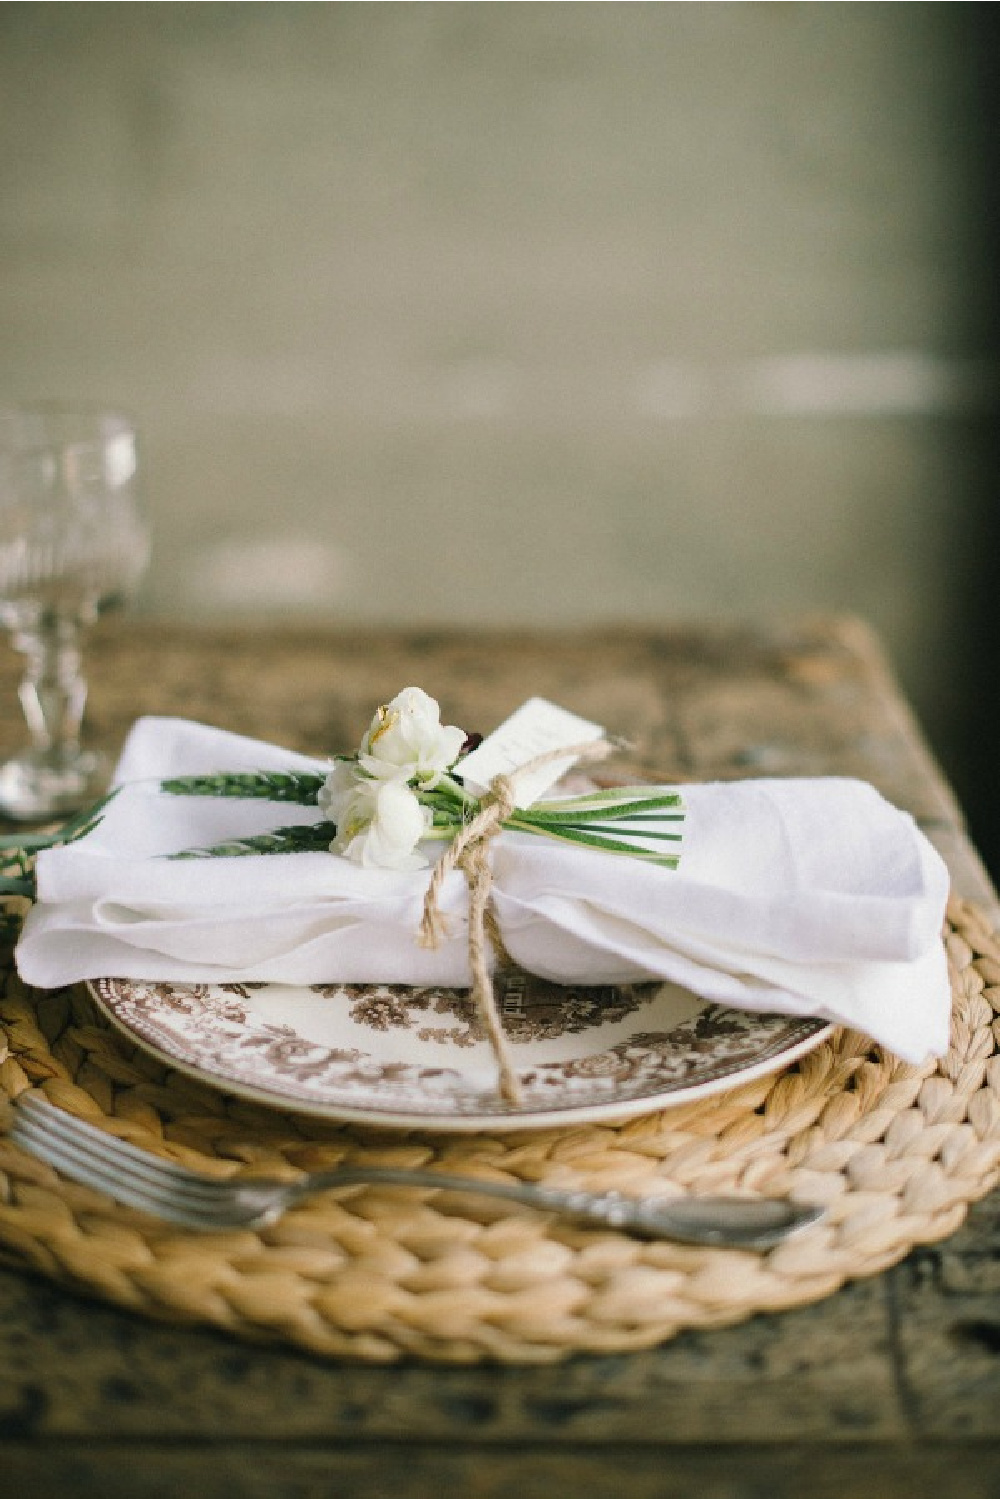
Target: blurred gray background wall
x,y
558,313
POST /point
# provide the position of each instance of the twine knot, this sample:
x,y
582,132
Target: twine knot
x,y
469,852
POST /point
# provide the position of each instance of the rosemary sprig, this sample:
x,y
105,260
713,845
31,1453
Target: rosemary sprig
x,y
276,786
603,819
300,838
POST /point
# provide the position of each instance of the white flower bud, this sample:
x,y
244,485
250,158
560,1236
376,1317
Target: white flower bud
x,y
406,740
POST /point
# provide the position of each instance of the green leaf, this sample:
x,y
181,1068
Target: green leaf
x,y
571,809
76,828
85,822
601,797
613,831
29,842
594,841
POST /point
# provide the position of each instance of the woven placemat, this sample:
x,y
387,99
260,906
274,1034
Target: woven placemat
x,y
896,1153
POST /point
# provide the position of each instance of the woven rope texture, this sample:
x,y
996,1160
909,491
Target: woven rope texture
x,y
895,1152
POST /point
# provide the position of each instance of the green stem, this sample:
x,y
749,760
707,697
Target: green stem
x,y
569,829
602,795
454,793
593,841
568,808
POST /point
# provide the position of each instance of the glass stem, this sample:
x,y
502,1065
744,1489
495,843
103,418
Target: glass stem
x,y
53,691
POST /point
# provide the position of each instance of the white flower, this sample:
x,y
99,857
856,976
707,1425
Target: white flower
x,y
407,740
379,823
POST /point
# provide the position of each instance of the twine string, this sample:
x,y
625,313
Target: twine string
x,y
469,852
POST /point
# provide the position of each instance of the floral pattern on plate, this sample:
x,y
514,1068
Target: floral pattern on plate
x,y
400,1056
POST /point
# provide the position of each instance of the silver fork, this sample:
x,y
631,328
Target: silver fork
x,y
135,1177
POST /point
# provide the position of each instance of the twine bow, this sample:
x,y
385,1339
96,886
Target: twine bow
x,y
469,852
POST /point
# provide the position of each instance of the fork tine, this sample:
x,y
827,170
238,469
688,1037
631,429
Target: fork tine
x,y
120,1185
78,1133
124,1171
62,1143
117,1153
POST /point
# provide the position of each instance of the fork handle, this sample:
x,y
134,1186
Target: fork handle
x,y
734,1222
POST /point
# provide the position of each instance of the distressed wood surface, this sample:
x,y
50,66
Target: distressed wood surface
x,y
890,1387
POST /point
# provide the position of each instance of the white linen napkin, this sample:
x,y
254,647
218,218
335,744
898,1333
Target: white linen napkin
x,y
809,896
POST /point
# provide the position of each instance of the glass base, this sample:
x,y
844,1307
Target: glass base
x,y
39,785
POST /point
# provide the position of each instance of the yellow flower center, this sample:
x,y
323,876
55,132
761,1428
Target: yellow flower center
x,y
388,718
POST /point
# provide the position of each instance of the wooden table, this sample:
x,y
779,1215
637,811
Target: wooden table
x,y
889,1387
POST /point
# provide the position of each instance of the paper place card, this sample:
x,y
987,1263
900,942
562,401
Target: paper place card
x,y
536,728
